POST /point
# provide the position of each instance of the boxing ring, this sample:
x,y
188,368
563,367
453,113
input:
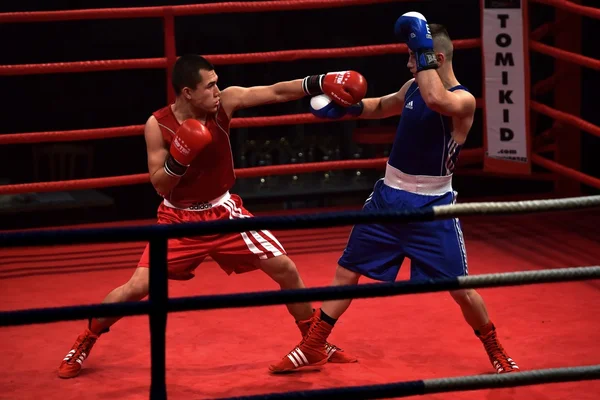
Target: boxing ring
x,y
229,305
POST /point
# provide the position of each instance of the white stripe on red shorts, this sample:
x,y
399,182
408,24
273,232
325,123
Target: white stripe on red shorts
x,y
262,243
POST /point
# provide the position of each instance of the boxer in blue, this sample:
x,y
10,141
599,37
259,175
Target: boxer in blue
x,y
437,114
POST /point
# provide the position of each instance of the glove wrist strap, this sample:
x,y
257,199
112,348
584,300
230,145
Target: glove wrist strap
x,y
426,59
312,84
174,168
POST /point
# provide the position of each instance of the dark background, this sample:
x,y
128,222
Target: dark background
x,y
118,98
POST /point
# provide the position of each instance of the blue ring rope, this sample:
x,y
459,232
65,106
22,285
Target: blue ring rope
x,y
274,297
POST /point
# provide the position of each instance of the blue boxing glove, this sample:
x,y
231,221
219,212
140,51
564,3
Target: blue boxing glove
x,y
412,28
323,107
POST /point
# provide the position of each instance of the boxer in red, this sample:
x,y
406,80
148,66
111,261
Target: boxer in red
x,y
191,167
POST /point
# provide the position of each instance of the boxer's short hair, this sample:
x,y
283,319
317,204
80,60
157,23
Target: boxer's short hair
x,y
441,40
186,71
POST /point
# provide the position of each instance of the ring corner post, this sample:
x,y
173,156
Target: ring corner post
x,y
567,98
158,297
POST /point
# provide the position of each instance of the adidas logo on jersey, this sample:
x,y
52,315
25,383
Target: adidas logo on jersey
x,y
409,105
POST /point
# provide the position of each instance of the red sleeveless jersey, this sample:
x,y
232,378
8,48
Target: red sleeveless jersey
x,y
211,174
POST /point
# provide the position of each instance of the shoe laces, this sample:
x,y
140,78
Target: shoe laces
x,y
82,347
311,329
312,335
496,351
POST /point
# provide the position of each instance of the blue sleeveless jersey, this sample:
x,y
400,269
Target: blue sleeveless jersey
x,y
423,144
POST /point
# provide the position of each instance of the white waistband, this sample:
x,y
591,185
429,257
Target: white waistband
x,y
420,184
202,206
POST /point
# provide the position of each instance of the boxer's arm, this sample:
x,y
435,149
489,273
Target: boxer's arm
x,y
236,98
459,103
157,154
386,106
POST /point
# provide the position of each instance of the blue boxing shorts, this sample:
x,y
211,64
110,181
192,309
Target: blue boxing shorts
x,y
436,248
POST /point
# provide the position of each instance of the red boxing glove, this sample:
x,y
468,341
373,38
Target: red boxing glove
x,y
191,138
346,88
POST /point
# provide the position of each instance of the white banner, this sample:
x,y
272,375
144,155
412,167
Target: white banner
x,y
506,82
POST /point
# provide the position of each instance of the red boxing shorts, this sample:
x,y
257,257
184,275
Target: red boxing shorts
x,y
234,252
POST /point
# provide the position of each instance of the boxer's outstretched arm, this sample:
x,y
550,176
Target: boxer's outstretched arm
x,y
236,97
157,154
386,106
343,87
